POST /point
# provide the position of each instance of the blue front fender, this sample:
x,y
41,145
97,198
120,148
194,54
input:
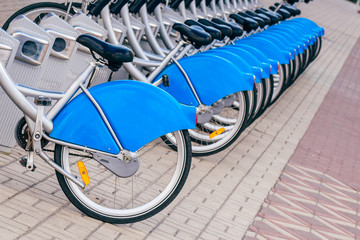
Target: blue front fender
x,y
138,113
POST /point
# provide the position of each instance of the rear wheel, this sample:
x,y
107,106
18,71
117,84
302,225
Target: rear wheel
x,y
261,95
278,83
158,180
35,12
222,130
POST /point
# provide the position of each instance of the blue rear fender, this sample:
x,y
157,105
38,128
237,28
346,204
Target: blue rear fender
x,y
213,78
268,48
250,58
138,113
260,55
286,40
305,31
238,61
286,49
292,37
291,31
310,24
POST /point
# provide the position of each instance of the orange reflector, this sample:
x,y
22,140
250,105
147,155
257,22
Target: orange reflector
x,y
217,132
83,172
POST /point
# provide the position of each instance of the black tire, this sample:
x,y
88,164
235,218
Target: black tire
x,y
39,10
261,98
252,101
318,47
100,201
278,83
268,87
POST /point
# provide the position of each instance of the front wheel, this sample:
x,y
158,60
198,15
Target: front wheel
x,y
109,198
37,11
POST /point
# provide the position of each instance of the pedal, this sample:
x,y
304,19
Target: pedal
x,y
23,162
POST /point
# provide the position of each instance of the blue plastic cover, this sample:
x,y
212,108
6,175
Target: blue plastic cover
x,y
285,49
260,55
285,39
296,36
251,58
138,113
213,78
238,61
267,47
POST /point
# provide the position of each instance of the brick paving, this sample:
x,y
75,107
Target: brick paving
x,y
224,192
317,195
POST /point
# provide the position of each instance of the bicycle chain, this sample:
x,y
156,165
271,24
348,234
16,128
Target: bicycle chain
x,y
71,154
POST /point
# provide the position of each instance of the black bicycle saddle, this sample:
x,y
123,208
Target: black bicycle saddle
x,y
283,12
136,5
152,4
194,34
236,29
273,17
116,55
247,23
214,33
266,19
96,7
116,7
291,9
225,30
259,21
272,13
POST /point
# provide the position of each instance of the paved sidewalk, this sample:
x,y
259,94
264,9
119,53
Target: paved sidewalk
x,y
225,193
318,194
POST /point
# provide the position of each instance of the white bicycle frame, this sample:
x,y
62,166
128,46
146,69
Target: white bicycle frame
x,y
43,122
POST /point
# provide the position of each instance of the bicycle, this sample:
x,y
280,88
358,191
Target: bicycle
x,y
207,129
112,165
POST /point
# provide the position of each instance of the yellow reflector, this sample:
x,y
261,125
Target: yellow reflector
x,y
83,172
217,132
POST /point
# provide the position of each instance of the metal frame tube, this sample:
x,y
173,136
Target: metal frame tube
x,y
146,63
182,9
149,36
187,80
47,159
165,37
105,15
166,60
34,92
71,91
19,99
125,16
103,116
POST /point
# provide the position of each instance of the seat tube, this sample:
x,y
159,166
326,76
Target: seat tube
x,y
188,81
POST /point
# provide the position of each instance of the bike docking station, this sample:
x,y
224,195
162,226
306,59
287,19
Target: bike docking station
x,y
84,25
58,75
9,113
27,68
